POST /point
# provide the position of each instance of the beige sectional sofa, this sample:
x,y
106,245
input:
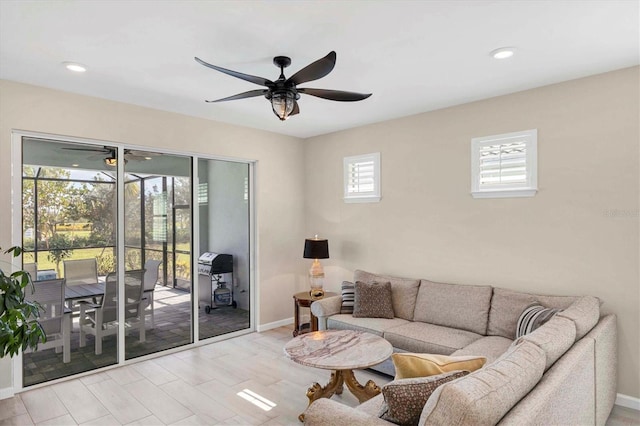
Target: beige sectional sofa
x,y
564,372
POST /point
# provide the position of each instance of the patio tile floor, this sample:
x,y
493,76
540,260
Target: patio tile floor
x,y
172,328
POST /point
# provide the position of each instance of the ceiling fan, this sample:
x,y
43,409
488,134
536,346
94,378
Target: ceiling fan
x,y
108,154
284,93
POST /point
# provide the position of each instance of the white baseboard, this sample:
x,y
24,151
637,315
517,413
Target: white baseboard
x,y
275,324
628,401
6,393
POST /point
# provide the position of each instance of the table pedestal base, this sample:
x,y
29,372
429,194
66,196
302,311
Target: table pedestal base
x,y
335,386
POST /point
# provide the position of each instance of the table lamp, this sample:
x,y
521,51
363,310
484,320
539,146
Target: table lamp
x,y
316,248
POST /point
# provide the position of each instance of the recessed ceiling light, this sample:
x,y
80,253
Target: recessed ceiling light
x,y
74,66
503,52
75,165
147,158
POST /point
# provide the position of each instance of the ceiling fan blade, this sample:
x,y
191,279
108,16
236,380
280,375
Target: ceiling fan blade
x,y
314,71
249,94
139,153
295,110
103,150
335,95
250,78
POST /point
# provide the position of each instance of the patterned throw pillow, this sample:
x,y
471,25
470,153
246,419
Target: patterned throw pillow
x,y
404,399
533,317
348,295
373,300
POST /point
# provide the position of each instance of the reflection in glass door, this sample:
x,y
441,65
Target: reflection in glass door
x,y
223,280
69,239
158,243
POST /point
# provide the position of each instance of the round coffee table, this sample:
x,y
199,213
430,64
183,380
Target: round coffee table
x,y
341,351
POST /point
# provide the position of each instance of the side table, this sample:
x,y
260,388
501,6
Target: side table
x,y
304,300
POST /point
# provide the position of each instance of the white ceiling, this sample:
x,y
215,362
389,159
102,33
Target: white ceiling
x,y
414,56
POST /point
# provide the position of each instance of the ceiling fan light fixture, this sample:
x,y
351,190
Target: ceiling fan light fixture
x,y
283,103
111,161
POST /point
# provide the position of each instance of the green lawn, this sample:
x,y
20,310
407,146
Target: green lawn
x,y
44,262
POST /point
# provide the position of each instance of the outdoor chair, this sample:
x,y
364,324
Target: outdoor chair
x,y
151,273
31,269
102,320
80,271
55,319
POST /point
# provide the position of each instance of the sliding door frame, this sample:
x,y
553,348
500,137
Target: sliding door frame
x,y
17,234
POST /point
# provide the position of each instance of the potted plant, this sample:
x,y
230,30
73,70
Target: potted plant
x,y
19,328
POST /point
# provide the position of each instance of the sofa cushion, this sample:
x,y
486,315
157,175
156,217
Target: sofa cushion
x,y
429,338
405,398
403,291
410,364
490,347
452,305
370,325
372,406
555,337
532,318
585,313
325,411
486,395
372,300
507,305
348,297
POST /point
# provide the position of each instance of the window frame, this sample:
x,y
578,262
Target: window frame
x,y
527,189
368,196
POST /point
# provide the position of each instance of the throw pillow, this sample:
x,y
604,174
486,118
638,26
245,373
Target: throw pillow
x,y
533,317
348,295
372,300
410,365
405,398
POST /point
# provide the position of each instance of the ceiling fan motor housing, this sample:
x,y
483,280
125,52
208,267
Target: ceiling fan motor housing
x,y
282,61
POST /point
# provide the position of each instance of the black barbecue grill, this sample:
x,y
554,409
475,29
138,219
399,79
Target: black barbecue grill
x,y
214,265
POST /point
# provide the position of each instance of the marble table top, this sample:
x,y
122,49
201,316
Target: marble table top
x,y
338,349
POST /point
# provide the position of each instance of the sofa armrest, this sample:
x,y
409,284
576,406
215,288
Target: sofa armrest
x,y
324,308
327,412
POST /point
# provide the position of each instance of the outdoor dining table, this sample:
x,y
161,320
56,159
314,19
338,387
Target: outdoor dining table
x,y
83,291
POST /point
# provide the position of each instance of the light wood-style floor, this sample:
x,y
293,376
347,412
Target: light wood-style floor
x,y
193,387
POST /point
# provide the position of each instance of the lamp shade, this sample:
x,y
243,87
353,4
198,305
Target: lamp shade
x,y
316,249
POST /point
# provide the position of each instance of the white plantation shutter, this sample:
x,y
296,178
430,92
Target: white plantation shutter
x,y
362,178
504,165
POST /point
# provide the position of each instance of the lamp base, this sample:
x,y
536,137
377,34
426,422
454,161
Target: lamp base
x,y
316,293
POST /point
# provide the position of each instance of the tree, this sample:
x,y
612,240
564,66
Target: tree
x,y
56,198
59,249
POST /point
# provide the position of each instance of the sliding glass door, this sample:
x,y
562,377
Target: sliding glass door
x,y
69,239
108,233
223,205
158,241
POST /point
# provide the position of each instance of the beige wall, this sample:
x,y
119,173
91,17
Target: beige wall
x,y
562,241
279,186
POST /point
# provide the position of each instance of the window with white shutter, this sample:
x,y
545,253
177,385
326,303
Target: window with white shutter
x,y
504,165
362,178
